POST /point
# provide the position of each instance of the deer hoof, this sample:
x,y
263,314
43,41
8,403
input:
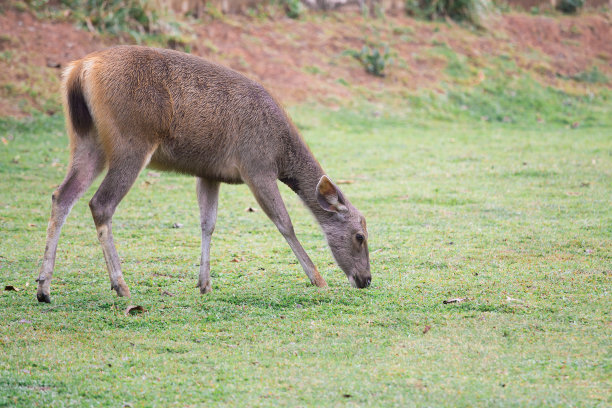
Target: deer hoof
x,y
43,297
205,288
318,280
122,290
321,283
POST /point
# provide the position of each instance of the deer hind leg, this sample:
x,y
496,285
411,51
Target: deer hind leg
x,y
86,164
208,197
122,172
268,196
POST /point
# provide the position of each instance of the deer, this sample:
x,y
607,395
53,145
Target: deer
x,y
129,107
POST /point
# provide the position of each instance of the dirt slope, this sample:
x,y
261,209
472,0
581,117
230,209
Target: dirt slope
x,y
304,60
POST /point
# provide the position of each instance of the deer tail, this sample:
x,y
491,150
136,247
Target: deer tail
x,y
77,112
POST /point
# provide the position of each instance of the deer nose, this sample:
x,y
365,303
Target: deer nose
x,y
363,282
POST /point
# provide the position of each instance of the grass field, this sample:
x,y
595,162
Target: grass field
x,y
515,217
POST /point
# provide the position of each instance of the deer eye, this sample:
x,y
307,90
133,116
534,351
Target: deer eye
x,y
359,238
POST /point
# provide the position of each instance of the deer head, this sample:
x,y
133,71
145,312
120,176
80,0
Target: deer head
x,y
346,232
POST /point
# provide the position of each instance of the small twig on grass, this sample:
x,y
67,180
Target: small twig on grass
x,y
90,25
455,300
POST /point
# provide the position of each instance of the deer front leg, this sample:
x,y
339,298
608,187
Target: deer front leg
x,y
268,196
208,197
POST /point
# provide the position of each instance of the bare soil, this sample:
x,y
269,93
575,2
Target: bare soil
x,y
304,60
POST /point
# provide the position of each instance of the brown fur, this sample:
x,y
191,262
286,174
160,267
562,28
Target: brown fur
x,y
127,107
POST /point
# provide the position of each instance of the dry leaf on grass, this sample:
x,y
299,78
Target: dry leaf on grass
x,y
426,329
11,288
345,181
132,310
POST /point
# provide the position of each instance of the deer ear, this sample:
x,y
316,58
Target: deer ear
x,y
329,196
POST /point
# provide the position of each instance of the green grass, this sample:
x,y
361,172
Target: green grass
x,y
514,216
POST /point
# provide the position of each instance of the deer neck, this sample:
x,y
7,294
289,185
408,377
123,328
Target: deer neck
x,y
302,172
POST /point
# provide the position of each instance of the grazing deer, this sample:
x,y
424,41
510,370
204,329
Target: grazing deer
x,y
129,107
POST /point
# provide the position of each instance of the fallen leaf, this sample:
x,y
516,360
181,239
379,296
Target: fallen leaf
x,y
251,209
426,329
345,181
31,225
11,288
455,300
4,141
131,310
177,225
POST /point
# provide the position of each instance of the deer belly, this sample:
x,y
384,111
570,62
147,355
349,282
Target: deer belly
x,y
210,164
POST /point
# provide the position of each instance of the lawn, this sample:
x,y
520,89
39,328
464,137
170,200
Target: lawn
x,y
514,218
